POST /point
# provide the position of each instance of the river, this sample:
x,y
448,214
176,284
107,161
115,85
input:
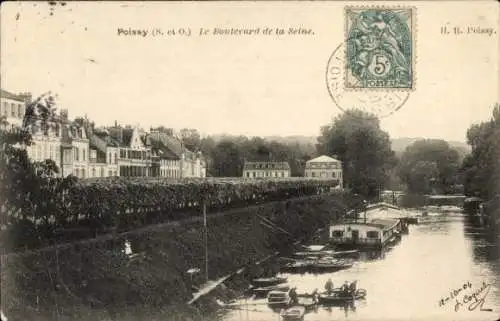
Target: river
x,y
407,282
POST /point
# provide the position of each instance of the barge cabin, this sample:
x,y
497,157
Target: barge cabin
x,y
375,233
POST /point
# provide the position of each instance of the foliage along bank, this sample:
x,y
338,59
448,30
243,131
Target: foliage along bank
x,y
119,203
99,279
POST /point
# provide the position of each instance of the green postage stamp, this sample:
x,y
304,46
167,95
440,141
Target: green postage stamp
x,y
379,48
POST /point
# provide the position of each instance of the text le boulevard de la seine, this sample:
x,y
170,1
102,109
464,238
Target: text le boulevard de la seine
x,y
187,32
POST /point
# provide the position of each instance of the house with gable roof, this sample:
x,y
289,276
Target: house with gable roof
x,y
324,167
134,156
175,161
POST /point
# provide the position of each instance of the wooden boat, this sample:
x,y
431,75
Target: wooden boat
x,y
263,282
331,264
307,302
278,298
293,313
262,291
319,254
338,296
298,265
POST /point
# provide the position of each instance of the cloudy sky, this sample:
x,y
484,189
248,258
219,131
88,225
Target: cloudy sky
x,y
252,85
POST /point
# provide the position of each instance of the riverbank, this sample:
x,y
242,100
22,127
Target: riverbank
x,y
102,281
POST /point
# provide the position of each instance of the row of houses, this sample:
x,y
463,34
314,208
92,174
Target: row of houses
x,y
322,167
80,148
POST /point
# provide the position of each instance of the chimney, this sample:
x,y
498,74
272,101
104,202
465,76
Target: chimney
x,y
64,114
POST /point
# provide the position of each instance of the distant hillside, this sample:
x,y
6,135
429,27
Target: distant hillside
x,y
399,145
308,143
302,140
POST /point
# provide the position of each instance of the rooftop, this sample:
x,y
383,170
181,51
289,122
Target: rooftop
x,y
323,159
266,165
378,223
9,95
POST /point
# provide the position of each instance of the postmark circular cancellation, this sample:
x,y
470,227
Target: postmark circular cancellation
x,y
373,70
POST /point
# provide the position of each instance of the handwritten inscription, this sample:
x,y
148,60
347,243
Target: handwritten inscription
x,y
467,297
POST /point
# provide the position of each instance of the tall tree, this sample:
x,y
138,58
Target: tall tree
x,y
357,140
29,190
191,138
482,167
227,161
430,165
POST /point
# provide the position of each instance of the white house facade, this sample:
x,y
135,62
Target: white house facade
x,y
324,167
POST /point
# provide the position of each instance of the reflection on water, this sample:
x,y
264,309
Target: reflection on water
x,y
408,281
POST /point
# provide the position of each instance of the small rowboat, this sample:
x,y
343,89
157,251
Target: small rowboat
x,y
278,298
263,282
262,291
298,265
307,302
339,296
331,264
293,313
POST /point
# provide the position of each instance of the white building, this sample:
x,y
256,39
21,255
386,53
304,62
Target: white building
x,y
266,169
175,161
324,167
13,107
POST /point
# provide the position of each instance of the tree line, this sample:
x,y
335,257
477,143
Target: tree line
x,y
354,137
481,168
427,166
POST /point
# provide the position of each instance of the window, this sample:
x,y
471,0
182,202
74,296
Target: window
x,y
253,174
333,174
77,156
338,234
83,155
116,162
102,171
67,156
77,172
372,234
20,111
83,173
13,110
110,173
5,107
93,171
248,174
313,174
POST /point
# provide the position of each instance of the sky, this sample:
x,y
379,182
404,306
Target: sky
x,y
251,85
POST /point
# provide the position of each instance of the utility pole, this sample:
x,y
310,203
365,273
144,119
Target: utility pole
x,y
365,205
205,232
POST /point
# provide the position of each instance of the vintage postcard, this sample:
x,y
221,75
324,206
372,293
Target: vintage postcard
x,y
250,160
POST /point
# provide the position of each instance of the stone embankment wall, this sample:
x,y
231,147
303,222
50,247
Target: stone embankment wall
x,y
100,281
